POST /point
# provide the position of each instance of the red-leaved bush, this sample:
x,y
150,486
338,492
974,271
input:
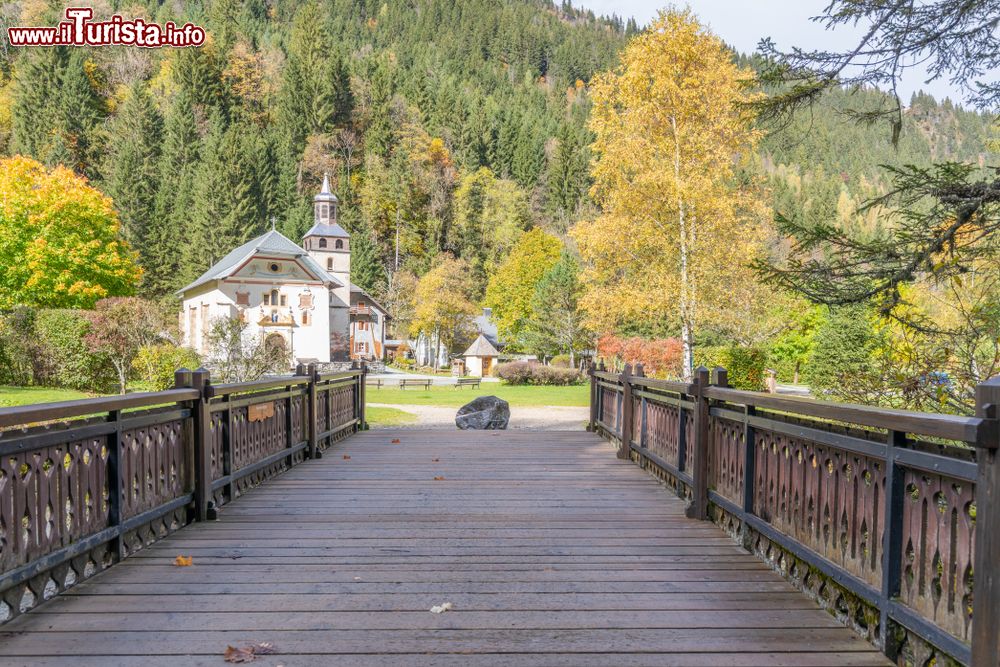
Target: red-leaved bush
x,y
659,357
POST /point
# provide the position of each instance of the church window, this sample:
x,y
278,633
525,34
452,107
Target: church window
x,y
329,263
324,211
272,299
274,267
322,243
339,245
243,298
284,300
305,319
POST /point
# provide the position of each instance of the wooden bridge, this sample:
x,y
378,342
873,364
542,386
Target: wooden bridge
x,y
550,550
315,544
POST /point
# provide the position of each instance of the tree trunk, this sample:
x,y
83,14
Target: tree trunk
x,y
685,229
122,379
437,352
572,358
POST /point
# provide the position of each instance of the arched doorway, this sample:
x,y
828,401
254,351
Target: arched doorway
x,y
276,348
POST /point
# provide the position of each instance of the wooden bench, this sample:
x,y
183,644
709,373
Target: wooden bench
x,y
467,382
416,382
375,382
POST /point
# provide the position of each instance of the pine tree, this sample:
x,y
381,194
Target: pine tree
x,y
131,170
315,85
367,270
175,197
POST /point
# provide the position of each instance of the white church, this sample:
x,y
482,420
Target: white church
x,y
296,298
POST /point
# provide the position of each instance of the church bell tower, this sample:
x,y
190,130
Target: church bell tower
x,y
330,245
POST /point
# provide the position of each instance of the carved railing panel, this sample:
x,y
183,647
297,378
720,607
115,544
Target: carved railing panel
x,y
153,466
938,537
829,500
662,427
725,458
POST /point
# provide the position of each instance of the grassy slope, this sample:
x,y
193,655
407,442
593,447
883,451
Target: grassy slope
x,y
451,397
389,417
11,396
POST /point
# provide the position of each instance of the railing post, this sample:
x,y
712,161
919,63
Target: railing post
x,y
183,380
625,427
204,506
116,483
892,538
640,372
986,582
698,509
362,398
592,424
312,370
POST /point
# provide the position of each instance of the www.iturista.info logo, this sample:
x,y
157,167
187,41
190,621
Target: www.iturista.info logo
x,y
79,30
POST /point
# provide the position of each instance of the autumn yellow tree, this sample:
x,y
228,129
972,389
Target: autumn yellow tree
x,y
59,240
444,307
672,139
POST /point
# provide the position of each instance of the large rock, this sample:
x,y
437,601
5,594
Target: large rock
x,y
486,413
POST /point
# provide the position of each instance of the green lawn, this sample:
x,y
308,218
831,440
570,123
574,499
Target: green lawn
x,y
388,417
11,396
451,397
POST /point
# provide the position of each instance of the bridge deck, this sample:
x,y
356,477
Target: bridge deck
x,y
551,551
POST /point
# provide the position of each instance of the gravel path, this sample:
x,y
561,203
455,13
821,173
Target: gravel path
x,y
537,418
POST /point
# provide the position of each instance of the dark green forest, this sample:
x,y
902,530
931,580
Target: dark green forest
x,y
448,125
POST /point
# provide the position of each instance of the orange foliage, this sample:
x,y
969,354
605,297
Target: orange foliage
x,y
659,357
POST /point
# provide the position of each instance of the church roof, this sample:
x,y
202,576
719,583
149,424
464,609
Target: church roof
x,y
272,243
320,229
481,347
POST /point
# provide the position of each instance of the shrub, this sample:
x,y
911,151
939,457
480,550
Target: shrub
x,y
746,367
64,359
522,373
155,364
548,375
560,361
659,357
515,372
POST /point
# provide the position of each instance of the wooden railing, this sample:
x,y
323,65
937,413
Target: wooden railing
x,y
84,484
883,515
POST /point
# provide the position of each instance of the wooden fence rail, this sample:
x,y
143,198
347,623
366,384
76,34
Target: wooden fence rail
x,y
84,484
884,515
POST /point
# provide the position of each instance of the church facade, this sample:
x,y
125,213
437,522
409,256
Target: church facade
x,y
295,297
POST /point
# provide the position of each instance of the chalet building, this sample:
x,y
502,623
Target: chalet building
x,y
425,346
296,297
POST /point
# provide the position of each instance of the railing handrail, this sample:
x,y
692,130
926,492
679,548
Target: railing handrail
x,y
949,427
25,415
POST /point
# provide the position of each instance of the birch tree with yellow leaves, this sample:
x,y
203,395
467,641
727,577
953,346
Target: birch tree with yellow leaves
x,y
681,220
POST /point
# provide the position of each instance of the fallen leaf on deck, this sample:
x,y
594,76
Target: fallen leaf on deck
x,y
247,653
234,654
395,441
347,457
435,460
438,479
441,608
183,561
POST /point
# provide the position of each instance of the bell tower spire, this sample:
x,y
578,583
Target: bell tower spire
x,y
325,204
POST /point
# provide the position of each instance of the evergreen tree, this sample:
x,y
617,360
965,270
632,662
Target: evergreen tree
x,y
175,197
367,271
131,169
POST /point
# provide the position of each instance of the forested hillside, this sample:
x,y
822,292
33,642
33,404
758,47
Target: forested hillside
x,y
446,125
